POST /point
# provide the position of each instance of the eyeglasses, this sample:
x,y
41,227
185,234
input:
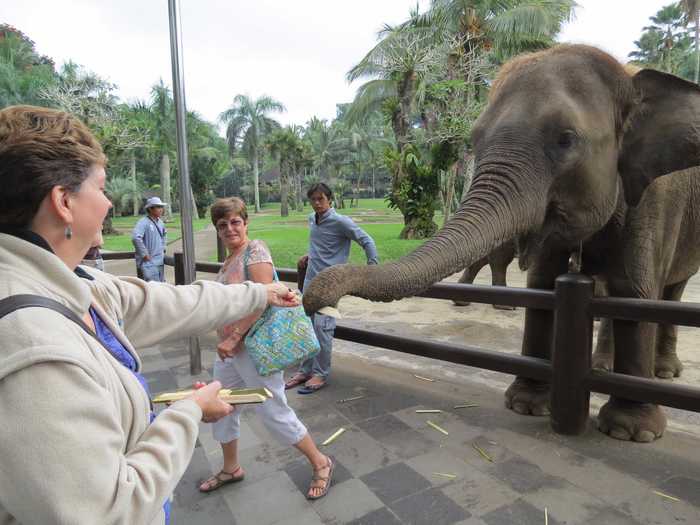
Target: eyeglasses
x,y
222,226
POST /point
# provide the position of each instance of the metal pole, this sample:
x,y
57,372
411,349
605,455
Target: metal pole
x,y
183,165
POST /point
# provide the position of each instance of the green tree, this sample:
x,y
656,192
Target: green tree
x,y
691,9
163,126
428,76
24,74
286,146
666,45
247,122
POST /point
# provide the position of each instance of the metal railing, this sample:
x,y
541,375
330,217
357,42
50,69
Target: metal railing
x,y
569,371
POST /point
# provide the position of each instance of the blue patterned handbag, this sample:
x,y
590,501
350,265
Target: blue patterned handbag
x,y
281,337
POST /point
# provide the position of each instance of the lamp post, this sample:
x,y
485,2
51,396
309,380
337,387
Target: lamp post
x,y
183,165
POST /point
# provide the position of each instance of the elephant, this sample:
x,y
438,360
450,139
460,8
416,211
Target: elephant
x,y
564,150
499,260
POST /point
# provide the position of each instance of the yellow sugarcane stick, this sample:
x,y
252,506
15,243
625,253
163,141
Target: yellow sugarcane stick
x,y
423,378
333,437
429,411
350,399
672,498
449,476
482,452
465,406
438,428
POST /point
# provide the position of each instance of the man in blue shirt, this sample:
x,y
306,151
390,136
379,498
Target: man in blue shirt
x,y
330,236
149,239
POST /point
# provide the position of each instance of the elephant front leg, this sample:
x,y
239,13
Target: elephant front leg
x,y
634,355
605,347
469,275
498,278
667,365
528,396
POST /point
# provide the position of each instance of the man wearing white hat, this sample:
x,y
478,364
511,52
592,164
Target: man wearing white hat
x,y
149,238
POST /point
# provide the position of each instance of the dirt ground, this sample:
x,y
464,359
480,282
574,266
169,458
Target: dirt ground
x,y
486,327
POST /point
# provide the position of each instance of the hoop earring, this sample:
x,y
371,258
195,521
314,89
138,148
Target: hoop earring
x,y
68,232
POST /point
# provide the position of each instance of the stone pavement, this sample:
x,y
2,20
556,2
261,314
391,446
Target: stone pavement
x,y
392,467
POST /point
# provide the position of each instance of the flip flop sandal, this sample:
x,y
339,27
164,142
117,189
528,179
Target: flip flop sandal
x,y
326,479
310,389
296,380
219,481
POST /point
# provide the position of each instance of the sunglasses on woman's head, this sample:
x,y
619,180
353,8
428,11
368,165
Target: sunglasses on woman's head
x,y
233,223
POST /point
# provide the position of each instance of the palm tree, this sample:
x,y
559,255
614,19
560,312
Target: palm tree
x,y
505,27
399,65
325,142
246,124
163,110
122,192
286,146
691,8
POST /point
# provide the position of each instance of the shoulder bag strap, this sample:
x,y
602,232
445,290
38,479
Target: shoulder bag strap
x,y
246,258
17,302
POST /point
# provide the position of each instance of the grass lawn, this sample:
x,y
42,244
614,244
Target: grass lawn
x,y
288,237
121,242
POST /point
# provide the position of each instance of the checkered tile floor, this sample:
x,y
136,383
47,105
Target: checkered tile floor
x,y
492,468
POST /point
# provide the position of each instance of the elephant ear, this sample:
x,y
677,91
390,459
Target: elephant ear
x,y
662,133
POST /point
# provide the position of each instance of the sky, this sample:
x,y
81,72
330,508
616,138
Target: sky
x,y
297,52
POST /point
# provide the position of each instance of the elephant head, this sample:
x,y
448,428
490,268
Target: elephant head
x,y
567,132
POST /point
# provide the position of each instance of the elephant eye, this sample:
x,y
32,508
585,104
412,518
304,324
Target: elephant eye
x,y
566,139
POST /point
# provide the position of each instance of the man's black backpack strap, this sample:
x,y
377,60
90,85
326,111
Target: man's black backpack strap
x,y
17,302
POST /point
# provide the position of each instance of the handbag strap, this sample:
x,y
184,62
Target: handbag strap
x,y
17,302
246,258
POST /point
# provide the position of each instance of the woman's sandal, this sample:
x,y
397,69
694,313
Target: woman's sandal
x,y
295,380
326,480
218,480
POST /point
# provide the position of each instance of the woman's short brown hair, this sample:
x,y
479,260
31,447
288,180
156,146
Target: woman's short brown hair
x,y
223,207
41,148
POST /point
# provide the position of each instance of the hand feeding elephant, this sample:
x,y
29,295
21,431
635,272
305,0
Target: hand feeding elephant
x,y
567,142
499,260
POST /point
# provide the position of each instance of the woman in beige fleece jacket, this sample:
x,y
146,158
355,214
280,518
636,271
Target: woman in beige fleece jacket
x,y
77,444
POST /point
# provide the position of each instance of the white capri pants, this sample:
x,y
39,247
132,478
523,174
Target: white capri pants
x,y
282,422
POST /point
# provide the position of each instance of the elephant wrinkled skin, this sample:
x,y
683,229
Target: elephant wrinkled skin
x,y
571,150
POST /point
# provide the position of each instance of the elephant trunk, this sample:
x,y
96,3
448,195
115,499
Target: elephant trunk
x,y
497,208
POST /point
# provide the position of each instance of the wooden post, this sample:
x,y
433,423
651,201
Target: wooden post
x,y
179,268
571,355
220,249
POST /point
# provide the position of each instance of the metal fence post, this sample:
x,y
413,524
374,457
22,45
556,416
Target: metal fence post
x,y
192,342
571,355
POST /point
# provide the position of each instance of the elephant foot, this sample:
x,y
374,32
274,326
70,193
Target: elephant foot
x,y
528,397
668,366
631,421
503,307
602,361
461,303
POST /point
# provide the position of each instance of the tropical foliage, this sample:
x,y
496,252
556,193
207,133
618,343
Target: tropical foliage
x,y
428,77
406,136
669,44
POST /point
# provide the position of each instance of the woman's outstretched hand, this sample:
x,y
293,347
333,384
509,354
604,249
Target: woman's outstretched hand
x,y
207,397
279,295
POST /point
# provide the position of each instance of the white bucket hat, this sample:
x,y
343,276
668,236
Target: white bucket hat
x,y
154,201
